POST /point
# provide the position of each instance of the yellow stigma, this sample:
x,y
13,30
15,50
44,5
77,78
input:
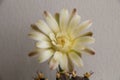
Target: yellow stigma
x,y
61,41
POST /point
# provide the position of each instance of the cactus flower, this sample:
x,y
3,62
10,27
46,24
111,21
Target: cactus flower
x,y
60,39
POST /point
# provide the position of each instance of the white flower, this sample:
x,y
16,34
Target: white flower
x,y
60,39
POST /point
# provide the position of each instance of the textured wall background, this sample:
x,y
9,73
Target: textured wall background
x,y
16,17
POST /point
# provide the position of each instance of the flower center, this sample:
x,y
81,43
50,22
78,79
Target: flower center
x,y
61,41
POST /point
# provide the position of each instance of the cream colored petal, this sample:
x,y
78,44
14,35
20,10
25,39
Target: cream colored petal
x,y
43,44
89,51
61,59
55,61
43,27
73,24
38,36
52,36
64,61
70,65
77,52
75,58
51,22
72,14
57,17
53,64
57,55
86,34
64,18
85,39
74,21
83,26
45,55
78,47
35,52
34,27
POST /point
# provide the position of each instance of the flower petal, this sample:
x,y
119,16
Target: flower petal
x,y
70,65
78,47
43,44
85,39
54,62
57,17
32,53
74,21
77,52
72,14
75,59
83,26
38,36
64,18
73,24
35,52
51,22
64,61
52,36
86,34
34,27
89,50
43,27
45,55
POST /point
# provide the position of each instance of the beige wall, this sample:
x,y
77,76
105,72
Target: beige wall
x,y
16,17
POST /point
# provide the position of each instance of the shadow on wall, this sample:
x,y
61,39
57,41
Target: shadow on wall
x,y
0,4
0,78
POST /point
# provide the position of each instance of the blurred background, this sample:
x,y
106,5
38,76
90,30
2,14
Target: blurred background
x,y
16,16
